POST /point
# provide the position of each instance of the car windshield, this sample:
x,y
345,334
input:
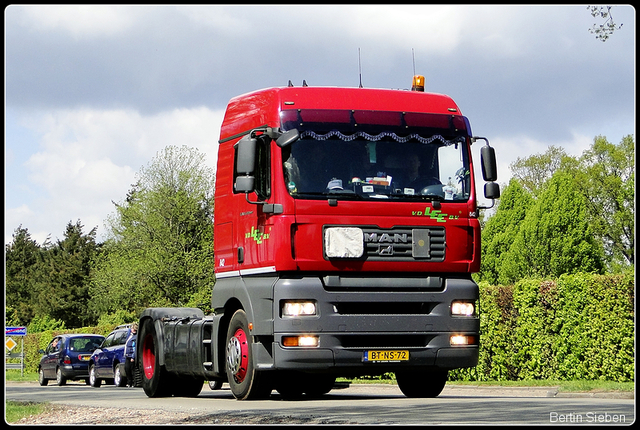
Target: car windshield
x,y
340,165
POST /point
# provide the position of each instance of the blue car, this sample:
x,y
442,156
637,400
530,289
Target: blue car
x,y
67,357
107,362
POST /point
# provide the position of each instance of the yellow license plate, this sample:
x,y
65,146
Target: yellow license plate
x,y
385,356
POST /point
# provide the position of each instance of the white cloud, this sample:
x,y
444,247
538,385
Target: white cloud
x,y
79,20
214,16
89,158
434,28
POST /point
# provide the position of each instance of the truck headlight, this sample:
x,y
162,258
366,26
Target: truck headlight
x,y
462,340
299,308
463,308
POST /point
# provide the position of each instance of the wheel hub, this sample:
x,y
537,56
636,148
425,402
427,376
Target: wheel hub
x,y
238,355
148,357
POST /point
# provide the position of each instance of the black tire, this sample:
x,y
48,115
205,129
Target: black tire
x,y
184,386
94,381
318,385
41,379
421,383
290,384
245,381
137,378
156,381
118,376
60,379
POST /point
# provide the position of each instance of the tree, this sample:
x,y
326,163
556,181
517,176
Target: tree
x,y
61,281
21,257
501,230
555,236
535,170
608,27
606,179
49,282
160,249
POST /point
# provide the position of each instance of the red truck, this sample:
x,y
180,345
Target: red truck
x,y
346,231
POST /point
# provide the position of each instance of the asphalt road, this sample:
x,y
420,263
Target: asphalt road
x,y
359,404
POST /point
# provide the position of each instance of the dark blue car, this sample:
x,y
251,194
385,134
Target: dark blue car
x,y
67,358
107,362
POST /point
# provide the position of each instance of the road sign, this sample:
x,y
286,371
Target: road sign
x,y
15,331
10,344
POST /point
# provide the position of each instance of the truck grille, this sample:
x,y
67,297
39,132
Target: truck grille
x,y
404,244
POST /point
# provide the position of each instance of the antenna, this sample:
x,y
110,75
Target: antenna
x,y
359,68
413,53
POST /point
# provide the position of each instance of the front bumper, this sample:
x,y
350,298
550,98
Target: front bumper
x,y
350,321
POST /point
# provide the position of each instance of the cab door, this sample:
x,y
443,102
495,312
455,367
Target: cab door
x,y
254,232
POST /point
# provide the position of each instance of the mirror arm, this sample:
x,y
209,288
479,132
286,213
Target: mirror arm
x,y
493,203
268,208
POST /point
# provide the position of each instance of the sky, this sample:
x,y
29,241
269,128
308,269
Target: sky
x,y
93,93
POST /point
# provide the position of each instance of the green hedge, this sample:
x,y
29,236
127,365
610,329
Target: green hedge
x,y
35,341
580,327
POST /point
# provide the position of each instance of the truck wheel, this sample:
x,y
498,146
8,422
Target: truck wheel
x,y
421,384
317,385
155,378
215,385
187,386
244,380
290,384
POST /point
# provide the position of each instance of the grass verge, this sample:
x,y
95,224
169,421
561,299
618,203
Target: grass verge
x,y
15,411
14,375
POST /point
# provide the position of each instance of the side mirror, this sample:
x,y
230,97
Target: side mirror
x,y
287,138
489,172
246,164
491,190
488,161
41,351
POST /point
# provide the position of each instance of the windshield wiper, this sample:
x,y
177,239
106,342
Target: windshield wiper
x,y
330,194
428,197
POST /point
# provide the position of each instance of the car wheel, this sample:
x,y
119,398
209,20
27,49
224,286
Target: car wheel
x,y
156,381
94,381
245,381
421,384
118,376
60,379
41,379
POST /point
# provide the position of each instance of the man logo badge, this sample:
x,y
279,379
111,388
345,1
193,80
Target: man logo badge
x,y
385,250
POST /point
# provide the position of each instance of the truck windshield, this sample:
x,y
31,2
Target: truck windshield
x,y
379,165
